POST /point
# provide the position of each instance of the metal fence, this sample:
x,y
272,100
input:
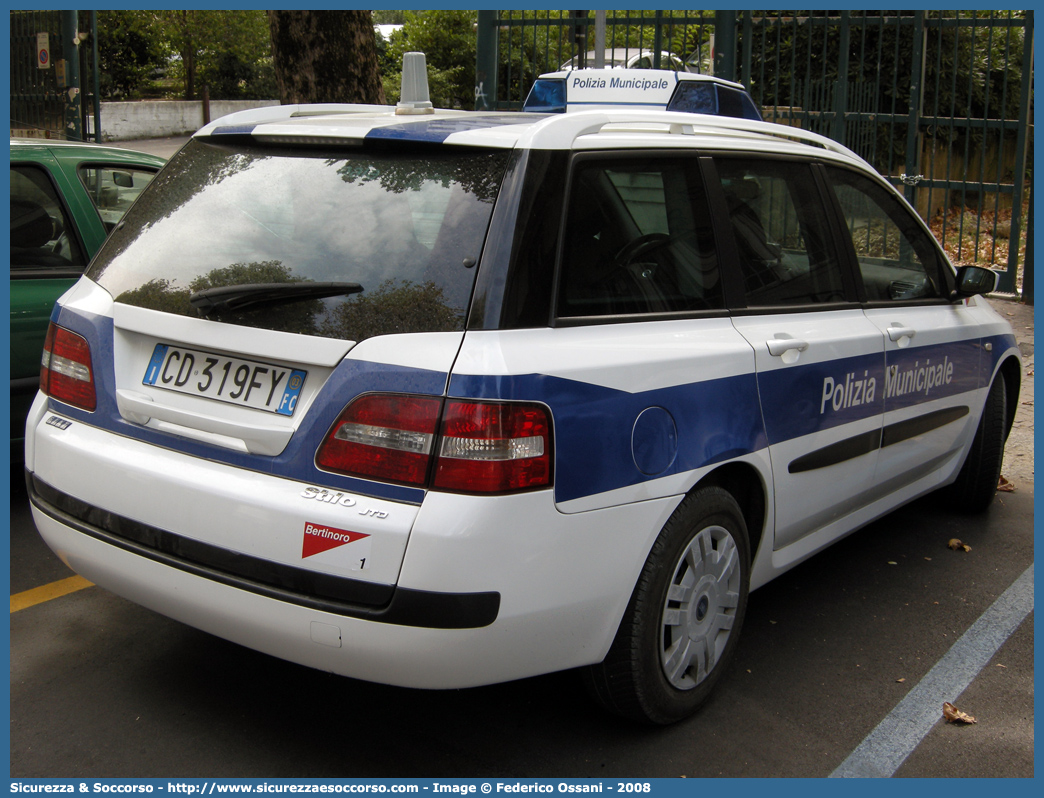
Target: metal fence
x,y
54,74
939,101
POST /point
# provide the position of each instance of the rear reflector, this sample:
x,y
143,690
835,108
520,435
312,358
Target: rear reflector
x,y
483,447
65,368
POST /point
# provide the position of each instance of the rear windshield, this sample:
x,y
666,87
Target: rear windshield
x,y
406,227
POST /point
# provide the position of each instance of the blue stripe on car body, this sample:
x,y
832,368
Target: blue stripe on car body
x,y
233,130
349,379
717,420
438,130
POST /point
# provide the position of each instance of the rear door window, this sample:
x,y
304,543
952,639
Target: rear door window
x,y
787,255
637,240
112,189
42,234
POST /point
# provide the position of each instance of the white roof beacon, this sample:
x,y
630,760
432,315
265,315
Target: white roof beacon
x,y
413,97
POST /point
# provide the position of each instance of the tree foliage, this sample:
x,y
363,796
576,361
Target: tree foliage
x,y
129,52
969,72
227,51
447,39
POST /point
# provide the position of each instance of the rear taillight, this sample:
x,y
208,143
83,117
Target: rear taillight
x,y
481,447
383,436
65,369
493,448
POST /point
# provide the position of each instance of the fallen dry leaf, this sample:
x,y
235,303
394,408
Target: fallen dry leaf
x,y
954,715
1005,485
901,680
955,544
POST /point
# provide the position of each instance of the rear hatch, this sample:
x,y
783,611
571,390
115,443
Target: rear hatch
x,y
247,274
251,296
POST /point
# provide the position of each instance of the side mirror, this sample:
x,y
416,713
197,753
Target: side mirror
x,y
123,179
973,280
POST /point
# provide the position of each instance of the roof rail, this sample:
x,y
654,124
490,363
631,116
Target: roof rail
x,y
561,130
281,113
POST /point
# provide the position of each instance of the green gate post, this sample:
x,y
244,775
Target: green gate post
x,y
486,61
913,126
1007,281
72,100
1027,272
725,44
839,123
95,76
658,41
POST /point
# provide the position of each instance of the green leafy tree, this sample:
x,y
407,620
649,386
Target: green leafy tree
x,y
129,51
796,63
387,17
228,51
447,39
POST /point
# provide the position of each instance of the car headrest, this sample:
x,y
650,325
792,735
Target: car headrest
x,y
31,225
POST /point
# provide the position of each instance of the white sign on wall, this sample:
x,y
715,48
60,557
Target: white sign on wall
x,y
43,51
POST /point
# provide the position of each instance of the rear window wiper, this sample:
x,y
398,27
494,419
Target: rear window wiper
x,y
231,298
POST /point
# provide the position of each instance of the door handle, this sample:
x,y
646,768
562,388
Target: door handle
x,y
140,409
778,347
897,331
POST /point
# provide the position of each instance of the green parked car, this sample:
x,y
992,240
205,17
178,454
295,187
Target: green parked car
x,y
65,199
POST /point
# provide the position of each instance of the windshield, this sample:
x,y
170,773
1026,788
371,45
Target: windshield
x,y
406,226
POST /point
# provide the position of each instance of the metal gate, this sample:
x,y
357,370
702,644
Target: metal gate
x,y
54,75
939,101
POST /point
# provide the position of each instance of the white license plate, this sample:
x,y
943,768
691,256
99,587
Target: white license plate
x,y
249,383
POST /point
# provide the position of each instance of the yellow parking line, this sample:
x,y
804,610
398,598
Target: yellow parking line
x,y
38,595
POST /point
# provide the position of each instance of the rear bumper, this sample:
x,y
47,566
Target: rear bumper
x,y
379,652
309,589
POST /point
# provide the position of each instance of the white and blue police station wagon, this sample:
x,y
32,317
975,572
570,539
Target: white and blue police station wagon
x,y
441,399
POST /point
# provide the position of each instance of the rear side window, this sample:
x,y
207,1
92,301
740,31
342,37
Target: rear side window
x,y
407,226
637,240
897,260
42,235
786,252
112,189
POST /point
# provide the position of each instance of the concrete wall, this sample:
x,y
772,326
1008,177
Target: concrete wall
x,y
162,118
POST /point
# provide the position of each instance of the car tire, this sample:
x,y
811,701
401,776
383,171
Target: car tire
x,y
684,617
976,482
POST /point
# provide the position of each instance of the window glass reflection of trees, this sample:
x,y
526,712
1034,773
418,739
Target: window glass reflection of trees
x,y
402,227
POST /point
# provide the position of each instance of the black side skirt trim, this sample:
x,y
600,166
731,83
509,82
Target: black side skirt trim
x,y
867,442
348,597
911,428
835,453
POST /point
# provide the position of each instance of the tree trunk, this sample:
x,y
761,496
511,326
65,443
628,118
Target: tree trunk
x,y
325,57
